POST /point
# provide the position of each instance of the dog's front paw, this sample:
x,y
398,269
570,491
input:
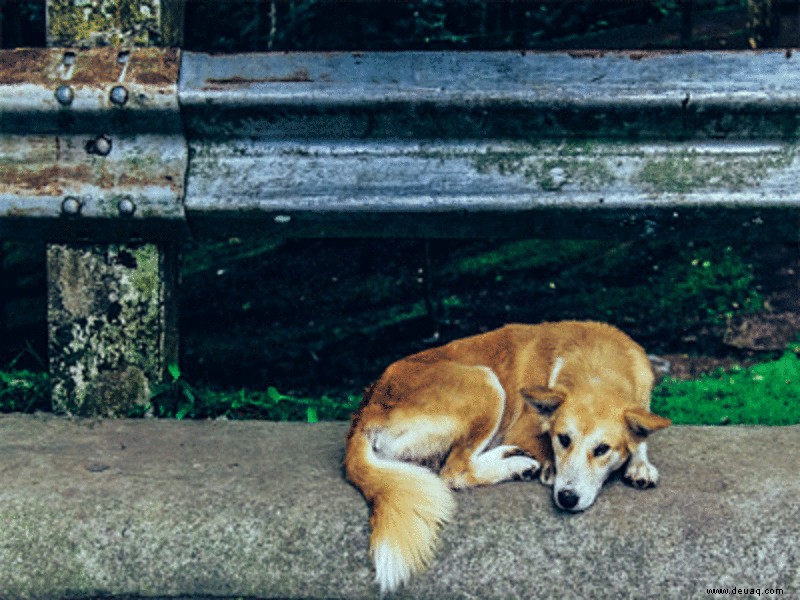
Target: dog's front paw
x,y
547,474
521,465
641,475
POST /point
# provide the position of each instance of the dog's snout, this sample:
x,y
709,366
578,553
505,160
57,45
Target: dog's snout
x,y
567,499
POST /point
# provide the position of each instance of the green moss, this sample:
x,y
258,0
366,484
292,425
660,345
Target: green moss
x,y
524,255
664,288
574,164
145,276
103,22
765,394
690,170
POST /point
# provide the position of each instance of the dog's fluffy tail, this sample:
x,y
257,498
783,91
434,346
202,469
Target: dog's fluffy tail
x,y
409,505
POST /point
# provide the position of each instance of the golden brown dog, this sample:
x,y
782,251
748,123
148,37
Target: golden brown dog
x,y
568,401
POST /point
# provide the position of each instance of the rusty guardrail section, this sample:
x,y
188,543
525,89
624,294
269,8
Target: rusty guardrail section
x,y
409,144
91,144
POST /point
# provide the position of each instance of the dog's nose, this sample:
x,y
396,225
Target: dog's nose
x,y
567,499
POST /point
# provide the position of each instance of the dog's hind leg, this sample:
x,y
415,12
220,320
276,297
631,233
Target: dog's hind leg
x,y
471,462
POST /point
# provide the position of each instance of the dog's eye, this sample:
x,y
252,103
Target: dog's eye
x,y
564,440
601,449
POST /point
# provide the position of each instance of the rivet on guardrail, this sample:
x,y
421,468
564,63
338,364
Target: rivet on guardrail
x,y
558,177
64,95
126,207
71,206
119,95
101,145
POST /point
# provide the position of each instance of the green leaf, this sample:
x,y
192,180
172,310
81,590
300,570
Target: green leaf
x,y
311,414
274,394
174,371
187,392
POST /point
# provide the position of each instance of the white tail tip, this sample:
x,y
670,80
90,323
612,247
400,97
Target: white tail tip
x,y
391,569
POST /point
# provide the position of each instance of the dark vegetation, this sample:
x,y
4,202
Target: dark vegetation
x,y
249,25
329,315
294,329
225,25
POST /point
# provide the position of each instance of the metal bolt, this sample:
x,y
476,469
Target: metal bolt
x,y
119,95
126,207
558,178
64,95
101,145
71,206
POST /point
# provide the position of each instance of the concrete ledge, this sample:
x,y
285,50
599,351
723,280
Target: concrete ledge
x,y
254,509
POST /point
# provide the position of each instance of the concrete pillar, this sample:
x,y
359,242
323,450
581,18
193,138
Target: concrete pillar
x,y
112,317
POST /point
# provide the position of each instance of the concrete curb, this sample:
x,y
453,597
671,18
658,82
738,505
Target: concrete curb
x,y
254,509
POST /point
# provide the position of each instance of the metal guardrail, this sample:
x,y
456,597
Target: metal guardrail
x,y
91,144
411,144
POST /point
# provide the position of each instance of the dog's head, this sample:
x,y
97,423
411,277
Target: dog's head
x,y
591,436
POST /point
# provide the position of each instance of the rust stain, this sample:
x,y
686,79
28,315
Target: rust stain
x,y
96,67
28,65
157,67
632,55
299,76
53,180
25,212
587,53
47,181
137,179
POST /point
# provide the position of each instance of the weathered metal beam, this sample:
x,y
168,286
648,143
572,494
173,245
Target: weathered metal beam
x,y
449,144
444,144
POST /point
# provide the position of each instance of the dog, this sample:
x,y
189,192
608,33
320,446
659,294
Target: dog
x,y
567,402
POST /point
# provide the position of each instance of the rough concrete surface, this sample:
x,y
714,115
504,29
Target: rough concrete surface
x,y
253,509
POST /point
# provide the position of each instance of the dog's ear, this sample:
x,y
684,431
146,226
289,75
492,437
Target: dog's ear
x,y
642,422
544,400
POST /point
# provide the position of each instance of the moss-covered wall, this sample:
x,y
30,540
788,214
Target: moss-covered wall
x,y
88,23
105,319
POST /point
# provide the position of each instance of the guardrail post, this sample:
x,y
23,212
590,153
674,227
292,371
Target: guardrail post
x,y
762,21
111,308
